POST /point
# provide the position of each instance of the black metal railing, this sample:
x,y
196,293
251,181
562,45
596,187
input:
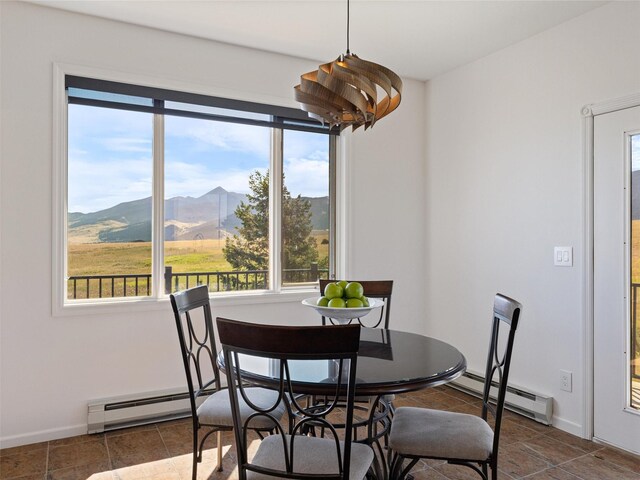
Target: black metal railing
x,y
136,285
108,286
216,281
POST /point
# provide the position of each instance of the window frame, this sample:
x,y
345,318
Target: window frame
x,y
158,299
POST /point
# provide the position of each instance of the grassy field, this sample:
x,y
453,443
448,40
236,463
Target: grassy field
x,y
635,251
635,278
135,259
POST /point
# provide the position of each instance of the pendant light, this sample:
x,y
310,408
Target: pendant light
x,y
345,92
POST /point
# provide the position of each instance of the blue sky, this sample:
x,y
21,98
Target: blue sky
x,y
110,157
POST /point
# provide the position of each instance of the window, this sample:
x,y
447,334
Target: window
x,y
168,190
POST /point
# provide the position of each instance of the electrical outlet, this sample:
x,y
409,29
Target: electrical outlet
x,y
566,380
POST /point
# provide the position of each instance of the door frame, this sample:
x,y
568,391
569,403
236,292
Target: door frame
x,y
589,112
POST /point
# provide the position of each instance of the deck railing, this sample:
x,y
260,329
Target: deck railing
x,y
136,285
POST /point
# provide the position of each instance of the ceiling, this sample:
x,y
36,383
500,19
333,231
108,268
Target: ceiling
x,y
417,39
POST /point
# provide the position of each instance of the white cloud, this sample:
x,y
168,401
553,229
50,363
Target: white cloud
x,y
124,144
306,163
194,180
307,177
299,144
95,186
221,135
95,121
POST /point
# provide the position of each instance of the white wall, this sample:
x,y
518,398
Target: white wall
x,y
50,367
386,216
504,185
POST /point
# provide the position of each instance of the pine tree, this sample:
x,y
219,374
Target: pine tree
x,y
249,248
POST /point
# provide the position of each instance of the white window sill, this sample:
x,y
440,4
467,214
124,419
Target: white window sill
x,y
145,304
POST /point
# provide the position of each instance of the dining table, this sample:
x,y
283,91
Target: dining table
x,y
390,362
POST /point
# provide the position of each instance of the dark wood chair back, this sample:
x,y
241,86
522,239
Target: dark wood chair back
x,y
381,289
281,345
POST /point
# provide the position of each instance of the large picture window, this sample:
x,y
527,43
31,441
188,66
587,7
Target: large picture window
x,y
168,190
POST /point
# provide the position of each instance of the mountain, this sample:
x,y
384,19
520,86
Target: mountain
x,y
319,212
209,216
129,213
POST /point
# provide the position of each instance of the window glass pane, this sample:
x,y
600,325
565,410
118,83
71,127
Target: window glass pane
x,y
634,354
305,207
109,97
109,202
216,205
224,112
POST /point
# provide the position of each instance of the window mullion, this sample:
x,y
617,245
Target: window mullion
x,y
333,209
157,234
275,211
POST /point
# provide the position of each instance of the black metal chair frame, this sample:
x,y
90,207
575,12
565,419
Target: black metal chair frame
x,y
192,348
506,311
282,343
196,350
381,409
381,289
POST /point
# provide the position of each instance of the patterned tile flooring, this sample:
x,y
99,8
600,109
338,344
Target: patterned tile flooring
x,y
163,452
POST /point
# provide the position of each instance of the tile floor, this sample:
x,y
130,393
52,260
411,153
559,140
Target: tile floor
x,y
163,452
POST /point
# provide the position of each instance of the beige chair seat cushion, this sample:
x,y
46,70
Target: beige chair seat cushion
x,y
438,434
311,455
216,409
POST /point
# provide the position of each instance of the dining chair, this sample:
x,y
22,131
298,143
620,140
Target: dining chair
x,y
209,400
459,438
380,407
381,289
292,451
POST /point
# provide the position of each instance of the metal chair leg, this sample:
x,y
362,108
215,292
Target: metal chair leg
x,y
196,453
194,467
219,436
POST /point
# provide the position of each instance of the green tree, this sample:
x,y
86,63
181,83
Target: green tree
x,y
249,248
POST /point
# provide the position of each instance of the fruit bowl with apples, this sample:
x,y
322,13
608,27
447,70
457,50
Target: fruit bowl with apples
x,y
343,301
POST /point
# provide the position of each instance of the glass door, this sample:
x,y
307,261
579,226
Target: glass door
x,y
617,278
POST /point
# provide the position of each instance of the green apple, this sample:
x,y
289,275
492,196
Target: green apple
x,y
354,290
354,303
333,290
337,303
322,302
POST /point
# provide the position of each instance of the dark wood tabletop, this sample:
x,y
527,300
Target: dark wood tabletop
x,y
389,361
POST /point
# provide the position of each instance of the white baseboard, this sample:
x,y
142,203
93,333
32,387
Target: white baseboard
x,y
567,426
42,436
57,433
609,444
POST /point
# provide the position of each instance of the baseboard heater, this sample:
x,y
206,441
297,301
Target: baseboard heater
x,y
133,410
533,405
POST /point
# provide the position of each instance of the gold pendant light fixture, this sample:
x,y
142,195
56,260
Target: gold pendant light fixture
x,y
345,92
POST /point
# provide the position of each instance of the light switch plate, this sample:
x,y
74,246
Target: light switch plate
x,y
563,256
